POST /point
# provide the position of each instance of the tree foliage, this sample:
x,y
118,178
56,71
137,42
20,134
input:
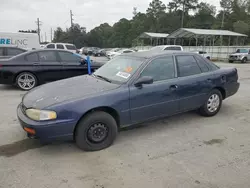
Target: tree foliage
x,y
163,19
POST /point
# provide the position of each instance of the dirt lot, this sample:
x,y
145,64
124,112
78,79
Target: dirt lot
x,y
186,151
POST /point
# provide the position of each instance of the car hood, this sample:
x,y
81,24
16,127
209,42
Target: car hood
x,y
64,90
239,54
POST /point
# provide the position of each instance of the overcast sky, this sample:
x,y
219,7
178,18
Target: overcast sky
x,y
21,15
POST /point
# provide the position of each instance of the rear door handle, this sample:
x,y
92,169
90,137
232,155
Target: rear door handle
x,y
173,87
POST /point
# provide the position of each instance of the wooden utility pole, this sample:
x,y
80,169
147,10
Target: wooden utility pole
x,y
39,23
182,16
51,34
71,18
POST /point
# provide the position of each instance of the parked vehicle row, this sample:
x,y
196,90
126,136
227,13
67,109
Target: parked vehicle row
x,y
33,68
129,89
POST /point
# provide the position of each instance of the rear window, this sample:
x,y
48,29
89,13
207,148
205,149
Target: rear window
x,y
70,47
14,51
173,48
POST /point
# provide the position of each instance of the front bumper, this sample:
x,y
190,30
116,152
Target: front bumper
x,y
47,130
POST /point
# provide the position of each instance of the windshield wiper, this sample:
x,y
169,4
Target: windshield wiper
x,y
102,77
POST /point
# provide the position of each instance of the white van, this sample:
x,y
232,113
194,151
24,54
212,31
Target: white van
x,y
26,41
62,46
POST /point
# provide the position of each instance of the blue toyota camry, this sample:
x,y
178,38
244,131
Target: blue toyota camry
x,y
130,89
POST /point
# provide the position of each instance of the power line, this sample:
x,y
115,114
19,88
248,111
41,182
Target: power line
x,y
39,23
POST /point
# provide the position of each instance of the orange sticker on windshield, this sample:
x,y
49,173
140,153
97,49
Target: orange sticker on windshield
x,y
128,69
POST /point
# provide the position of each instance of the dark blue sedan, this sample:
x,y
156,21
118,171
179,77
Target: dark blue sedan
x,y
129,89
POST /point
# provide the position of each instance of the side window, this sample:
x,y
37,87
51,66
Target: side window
x,y
168,48
59,46
187,66
33,57
160,69
14,51
69,57
202,64
51,46
70,47
127,51
1,51
47,56
178,48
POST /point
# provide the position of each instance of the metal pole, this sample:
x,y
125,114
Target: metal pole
x,y
213,47
189,43
196,41
229,40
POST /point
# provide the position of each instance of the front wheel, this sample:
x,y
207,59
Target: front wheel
x,y
230,61
96,131
212,104
244,60
26,81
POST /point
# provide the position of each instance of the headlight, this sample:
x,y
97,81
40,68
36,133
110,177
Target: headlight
x,y
40,115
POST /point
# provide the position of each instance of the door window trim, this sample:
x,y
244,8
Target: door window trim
x,y
189,75
150,61
55,53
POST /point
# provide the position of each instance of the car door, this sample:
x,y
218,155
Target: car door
x,y
156,99
194,81
72,65
51,67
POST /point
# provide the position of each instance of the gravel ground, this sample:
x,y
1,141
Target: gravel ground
x,y
186,151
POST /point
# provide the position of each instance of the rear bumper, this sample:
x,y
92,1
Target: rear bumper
x,y
46,131
232,88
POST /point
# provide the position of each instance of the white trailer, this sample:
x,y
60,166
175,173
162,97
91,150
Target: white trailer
x,y
26,41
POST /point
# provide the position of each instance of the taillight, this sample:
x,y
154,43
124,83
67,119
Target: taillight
x,y
1,65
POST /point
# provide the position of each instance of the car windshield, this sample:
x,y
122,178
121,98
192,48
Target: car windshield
x,y
119,69
241,51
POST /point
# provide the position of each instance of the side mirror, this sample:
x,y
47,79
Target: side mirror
x,y
144,80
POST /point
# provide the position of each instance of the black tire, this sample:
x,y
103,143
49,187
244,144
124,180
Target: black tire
x,y
83,131
208,58
230,61
244,60
33,84
204,110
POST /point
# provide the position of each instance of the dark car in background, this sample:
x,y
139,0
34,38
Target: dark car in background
x,y
7,52
100,52
130,89
29,69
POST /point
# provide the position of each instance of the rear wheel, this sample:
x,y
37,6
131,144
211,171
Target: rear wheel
x,y
244,60
212,105
96,131
26,81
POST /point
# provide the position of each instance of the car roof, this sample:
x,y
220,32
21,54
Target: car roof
x,y
152,54
60,43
